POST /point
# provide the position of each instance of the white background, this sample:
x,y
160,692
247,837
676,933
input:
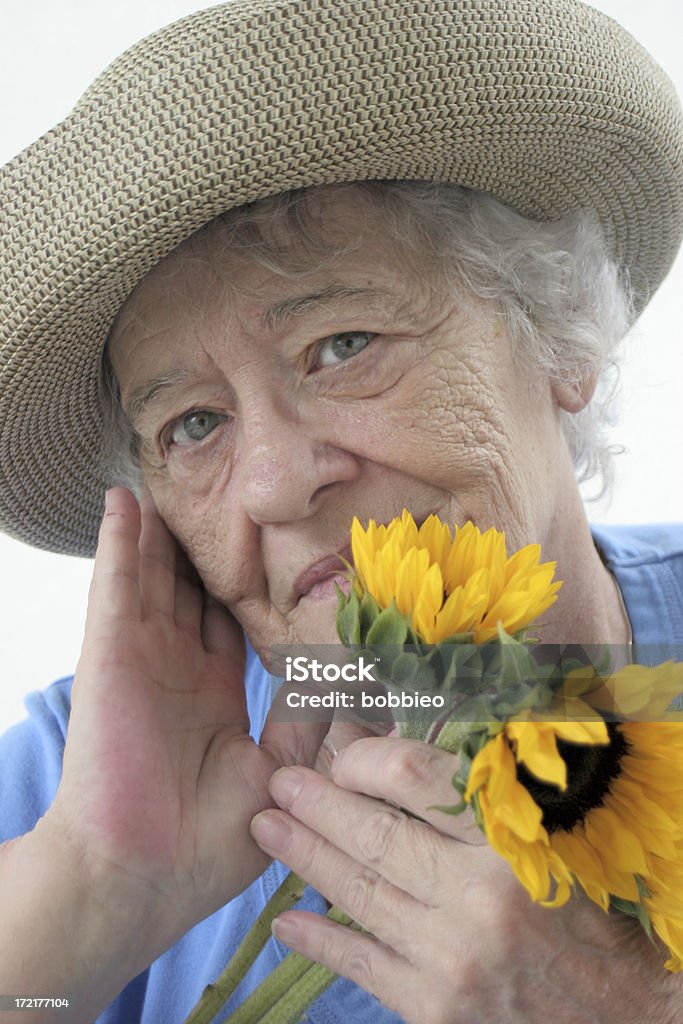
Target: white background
x,y
49,53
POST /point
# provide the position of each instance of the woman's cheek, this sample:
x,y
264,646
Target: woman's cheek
x,y
188,502
193,470
195,520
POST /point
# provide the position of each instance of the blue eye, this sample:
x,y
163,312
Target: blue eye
x,y
340,347
195,426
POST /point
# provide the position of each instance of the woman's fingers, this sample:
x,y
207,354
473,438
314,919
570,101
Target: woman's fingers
x,y
369,833
354,955
168,583
360,891
157,562
115,587
413,775
189,594
293,742
221,632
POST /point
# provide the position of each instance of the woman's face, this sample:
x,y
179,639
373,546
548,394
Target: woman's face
x,y
274,411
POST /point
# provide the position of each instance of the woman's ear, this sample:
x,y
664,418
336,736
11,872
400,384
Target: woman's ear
x,y
575,396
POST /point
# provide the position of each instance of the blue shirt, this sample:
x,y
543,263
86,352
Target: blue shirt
x,y
647,563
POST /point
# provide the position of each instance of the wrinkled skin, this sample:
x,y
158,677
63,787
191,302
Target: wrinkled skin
x,y
270,413
433,414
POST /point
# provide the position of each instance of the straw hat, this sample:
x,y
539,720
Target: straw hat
x,y
547,104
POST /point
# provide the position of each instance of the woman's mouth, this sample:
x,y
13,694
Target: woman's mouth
x,y
328,587
319,581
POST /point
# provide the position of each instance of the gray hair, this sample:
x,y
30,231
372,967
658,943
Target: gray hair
x,y
563,301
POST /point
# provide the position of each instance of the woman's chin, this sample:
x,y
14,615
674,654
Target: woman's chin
x,y
317,616
312,624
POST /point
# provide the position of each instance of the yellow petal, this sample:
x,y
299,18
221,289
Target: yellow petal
x,y
536,747
429,601
605,831
410,573
436,537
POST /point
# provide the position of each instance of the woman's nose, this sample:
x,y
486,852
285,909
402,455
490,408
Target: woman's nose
x,y
286,468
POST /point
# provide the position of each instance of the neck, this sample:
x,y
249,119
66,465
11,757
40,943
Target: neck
x,y
589,608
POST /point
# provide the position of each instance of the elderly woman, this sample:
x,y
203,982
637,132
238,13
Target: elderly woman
x,y
284,265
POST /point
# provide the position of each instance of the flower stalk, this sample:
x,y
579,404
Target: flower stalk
x,y
216,996
286,993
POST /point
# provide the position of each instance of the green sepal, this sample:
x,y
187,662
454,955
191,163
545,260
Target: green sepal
x,y
390,627
452,809
456,639
633,909
342,598
604,664
405,668
369,612
459,783
460,665
477,740
643,891
412,639
519,698
409,669
348,618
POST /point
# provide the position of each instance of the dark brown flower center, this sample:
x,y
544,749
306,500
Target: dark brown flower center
x,y
590,772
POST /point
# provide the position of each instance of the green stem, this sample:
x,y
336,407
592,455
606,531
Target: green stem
x,y
290,989
293,1005
452,736
410,730
215,996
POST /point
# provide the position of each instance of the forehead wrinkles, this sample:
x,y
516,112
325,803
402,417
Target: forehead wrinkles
x,y
209,269
175,298
305,238
288,239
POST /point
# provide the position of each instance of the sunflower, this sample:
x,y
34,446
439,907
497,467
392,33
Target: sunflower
x,y
636,692
575,780
448,584
594,803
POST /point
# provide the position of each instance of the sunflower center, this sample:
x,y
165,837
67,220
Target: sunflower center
x,y
590,773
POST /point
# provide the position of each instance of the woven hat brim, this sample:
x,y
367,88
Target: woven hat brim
x,y
546,104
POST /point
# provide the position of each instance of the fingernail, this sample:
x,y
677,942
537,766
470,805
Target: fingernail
x,y
271,832
338,760
333,749
285,786
286,929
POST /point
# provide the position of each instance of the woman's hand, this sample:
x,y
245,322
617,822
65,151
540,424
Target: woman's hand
x,y
455,938
150,824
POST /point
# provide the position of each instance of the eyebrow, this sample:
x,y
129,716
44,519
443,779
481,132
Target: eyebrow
x,y
272,318
141,396
276,315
